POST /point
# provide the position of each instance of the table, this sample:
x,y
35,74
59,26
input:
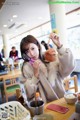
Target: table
x,y
59,116
9,65
15,72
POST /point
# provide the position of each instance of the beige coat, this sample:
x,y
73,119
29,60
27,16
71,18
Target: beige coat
x,y
50,76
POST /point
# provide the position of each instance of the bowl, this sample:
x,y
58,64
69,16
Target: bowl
x,y
70,98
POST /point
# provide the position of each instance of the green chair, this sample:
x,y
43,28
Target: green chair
x,y
10,86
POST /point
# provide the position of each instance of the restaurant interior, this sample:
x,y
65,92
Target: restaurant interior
x,y
19,18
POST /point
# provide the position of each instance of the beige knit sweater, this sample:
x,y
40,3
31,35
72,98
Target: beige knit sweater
x,y
50,78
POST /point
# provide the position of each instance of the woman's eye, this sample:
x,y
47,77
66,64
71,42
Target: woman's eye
x,y
32,48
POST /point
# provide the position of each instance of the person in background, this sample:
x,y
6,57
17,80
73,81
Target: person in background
x,y
44,44
47,46
1,59
14,54
2,51
46,77
2,66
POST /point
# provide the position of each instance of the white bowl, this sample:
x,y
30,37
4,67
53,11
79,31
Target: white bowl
x,y
70,98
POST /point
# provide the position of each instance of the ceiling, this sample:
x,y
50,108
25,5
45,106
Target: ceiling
x,y
30,13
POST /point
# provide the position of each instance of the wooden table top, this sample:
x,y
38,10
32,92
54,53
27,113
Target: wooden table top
x,y
16,72
60,116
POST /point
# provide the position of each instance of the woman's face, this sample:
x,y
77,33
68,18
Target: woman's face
x,y
32,51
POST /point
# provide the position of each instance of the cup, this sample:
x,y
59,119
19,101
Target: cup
x,y
36,108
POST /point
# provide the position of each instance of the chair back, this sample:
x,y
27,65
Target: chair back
x,y
10,86
67,82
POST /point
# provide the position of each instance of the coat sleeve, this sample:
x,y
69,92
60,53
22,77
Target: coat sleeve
x,y
66,61
30,82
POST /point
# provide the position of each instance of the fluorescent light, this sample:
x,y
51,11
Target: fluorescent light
x,y
4,25
15,16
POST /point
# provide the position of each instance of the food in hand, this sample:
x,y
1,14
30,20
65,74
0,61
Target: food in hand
x,y
50,55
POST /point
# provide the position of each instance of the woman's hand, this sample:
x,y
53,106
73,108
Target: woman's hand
x,y
55,39
36,66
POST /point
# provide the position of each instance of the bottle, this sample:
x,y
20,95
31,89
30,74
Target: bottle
x,y
38,98
19,96
39,104
77,104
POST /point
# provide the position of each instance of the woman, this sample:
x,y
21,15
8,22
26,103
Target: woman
x,y
45,76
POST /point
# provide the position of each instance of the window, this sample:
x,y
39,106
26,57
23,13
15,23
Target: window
x,y
74,41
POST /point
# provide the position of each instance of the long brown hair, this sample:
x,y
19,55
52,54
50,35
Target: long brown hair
x,y
24,42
